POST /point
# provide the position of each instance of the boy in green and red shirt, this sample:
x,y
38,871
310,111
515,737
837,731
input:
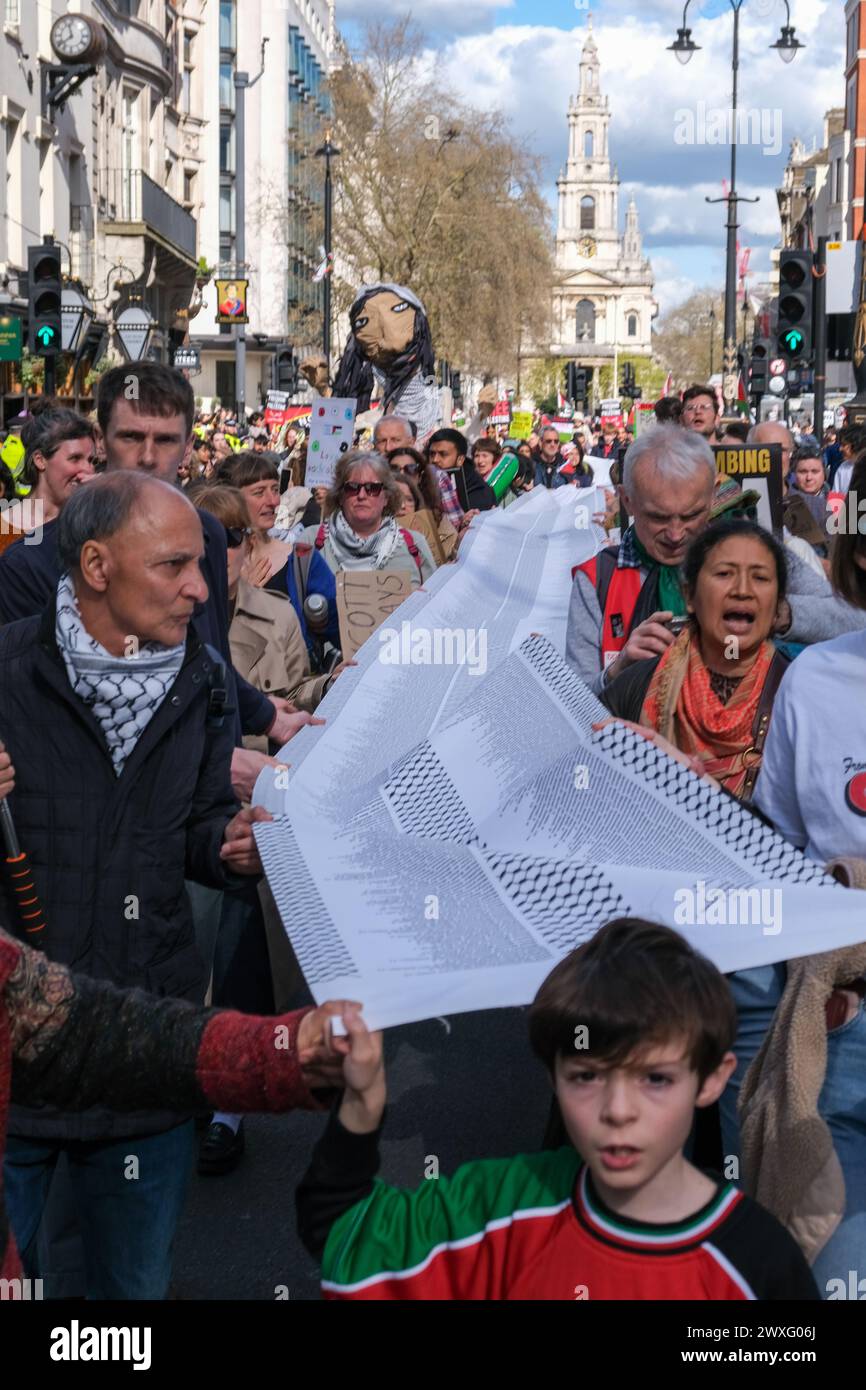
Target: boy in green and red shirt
x,y
635,1028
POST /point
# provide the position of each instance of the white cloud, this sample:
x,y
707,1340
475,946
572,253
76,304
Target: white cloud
x,y
529,72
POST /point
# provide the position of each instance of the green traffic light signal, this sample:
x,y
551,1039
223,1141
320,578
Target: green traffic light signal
x,y
46,335
792,340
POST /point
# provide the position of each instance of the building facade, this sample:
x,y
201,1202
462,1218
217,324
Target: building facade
x,y
285,116
603,301
112,173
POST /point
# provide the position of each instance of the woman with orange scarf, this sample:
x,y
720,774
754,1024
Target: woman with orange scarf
x,y
709,697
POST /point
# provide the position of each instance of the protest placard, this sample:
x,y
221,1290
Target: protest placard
x,y
276,405
332,426
521,424
757,467
365,598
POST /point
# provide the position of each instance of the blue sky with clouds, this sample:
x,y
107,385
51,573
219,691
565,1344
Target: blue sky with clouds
x,y
528,54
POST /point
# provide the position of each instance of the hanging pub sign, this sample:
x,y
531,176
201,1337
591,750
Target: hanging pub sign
x,y
232,301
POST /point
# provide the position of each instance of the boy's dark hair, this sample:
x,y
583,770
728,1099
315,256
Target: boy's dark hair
x,y
633,985
159,390
697,390
449,436
668,410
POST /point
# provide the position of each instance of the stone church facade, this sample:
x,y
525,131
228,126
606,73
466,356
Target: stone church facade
x,y
603,301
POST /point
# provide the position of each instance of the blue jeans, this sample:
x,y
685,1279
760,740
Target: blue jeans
x,y
127,1212
842,1103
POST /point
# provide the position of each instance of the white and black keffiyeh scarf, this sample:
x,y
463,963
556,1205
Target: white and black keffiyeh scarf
x,y
123,692
354,552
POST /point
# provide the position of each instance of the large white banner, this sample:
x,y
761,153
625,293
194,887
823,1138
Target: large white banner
x,y
459,824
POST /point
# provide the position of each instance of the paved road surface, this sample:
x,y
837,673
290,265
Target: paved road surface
x,y
464,1088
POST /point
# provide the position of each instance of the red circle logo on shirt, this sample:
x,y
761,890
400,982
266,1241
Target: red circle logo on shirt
x,y
855,794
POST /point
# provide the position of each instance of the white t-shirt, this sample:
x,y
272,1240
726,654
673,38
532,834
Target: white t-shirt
x,y
812,783
842,480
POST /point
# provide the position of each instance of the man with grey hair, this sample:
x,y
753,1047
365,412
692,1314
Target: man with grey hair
x,y
624,601
393,432
113,712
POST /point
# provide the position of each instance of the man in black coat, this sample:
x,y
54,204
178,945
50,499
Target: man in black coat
x,y
111,710
146,413
448,449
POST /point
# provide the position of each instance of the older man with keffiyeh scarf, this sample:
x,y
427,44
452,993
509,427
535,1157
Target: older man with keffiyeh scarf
x,y
114,715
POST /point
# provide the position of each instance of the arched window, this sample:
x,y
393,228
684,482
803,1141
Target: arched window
x,y
587,213
587,145
585,321
632,325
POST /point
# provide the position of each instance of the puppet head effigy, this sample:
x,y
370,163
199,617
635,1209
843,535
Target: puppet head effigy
x,y
389,350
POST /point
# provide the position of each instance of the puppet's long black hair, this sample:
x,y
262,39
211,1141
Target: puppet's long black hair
x,y
355,374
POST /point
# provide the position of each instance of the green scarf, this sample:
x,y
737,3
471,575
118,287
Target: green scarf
x,y
671,598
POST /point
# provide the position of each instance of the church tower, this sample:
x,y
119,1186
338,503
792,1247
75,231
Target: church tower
x,y
603,301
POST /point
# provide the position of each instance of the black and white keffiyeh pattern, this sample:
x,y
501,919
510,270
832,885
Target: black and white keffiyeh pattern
x,y
124,692
354,552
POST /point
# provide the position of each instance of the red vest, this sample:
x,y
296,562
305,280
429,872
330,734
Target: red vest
x,y
617,604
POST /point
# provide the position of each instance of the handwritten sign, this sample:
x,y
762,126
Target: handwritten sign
x,y
332,427
521,424
365,599
758,468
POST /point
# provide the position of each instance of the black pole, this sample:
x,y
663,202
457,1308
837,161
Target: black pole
x,y
49,381
326,283
712,336
732,225
820,303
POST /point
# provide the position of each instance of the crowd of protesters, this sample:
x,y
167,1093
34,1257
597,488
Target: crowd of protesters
x,y
168,601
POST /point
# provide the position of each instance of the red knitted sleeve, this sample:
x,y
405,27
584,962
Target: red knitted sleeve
x,y
248,1063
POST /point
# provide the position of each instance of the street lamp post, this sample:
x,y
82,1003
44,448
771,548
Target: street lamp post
x,y
712,336
787,46
327,152
242,84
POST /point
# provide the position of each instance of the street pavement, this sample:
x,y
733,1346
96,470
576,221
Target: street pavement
x,y
459,1088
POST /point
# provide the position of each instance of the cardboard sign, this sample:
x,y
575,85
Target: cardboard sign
x,y
332,428
756,467
521,424
365,600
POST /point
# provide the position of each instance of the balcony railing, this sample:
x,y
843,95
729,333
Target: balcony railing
x,y
129,196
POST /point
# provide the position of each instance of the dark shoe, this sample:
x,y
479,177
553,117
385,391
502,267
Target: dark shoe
x,y
220,1150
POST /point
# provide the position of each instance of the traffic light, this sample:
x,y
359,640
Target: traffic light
x,y
795,305
285,371
457,390
571,382
580,385
44,288
627,386
760,365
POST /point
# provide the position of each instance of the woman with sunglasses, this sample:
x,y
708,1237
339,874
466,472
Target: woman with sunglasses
x,y
265,637
412,464
360,531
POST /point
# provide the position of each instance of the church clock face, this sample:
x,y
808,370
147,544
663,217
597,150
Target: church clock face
x,y
587,246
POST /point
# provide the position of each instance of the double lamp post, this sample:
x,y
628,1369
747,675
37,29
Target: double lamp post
x,y
787,46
